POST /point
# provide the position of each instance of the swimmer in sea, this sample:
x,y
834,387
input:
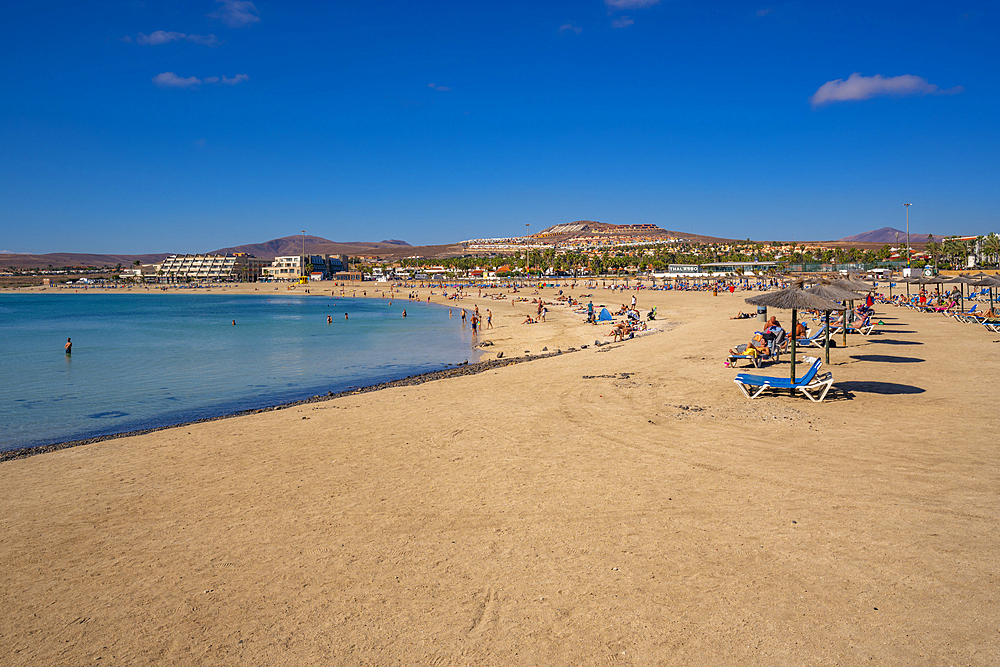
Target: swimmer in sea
x,y
69,346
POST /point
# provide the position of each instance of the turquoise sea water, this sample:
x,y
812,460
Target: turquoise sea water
x,y
142,360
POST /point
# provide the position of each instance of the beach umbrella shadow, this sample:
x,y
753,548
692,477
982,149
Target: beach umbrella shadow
x,y
886,388
886,358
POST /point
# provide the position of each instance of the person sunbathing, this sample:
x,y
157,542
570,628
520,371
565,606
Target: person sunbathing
x,y
741,316
528,320
757,347
619,331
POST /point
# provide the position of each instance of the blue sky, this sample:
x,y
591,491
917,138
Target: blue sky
x,y
185,126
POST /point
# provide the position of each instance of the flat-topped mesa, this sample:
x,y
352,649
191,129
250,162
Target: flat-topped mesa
x,y
582,227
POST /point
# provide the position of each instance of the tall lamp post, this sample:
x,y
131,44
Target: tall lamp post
x,y
303,252
907,234
527,249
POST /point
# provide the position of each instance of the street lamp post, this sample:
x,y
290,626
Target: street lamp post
x,y
303,263
527,249
907,234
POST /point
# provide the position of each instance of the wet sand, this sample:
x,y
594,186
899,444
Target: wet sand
x,y
621,504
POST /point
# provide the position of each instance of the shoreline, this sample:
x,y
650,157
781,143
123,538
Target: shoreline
x,y
468,368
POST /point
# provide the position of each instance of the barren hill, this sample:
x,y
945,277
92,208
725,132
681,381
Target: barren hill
x,y
563,232
62,260
887,235
292,245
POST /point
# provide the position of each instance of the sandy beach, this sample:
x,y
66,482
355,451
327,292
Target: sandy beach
x,y
614,505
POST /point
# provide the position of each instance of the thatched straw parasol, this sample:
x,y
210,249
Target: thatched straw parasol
x,y
852,283
793,298
851,286
828,290
962,280
988,281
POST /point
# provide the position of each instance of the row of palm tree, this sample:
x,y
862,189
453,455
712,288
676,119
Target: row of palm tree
x,y
955,250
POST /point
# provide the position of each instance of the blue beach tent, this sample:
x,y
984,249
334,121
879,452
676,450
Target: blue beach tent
x,y
605,315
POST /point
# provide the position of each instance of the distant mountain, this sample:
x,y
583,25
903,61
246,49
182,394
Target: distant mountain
x,y
565,231
316,245
887,235
74,259
289,245
286,245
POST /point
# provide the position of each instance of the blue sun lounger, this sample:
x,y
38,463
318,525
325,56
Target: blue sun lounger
x,y
817,338
812,386
864,327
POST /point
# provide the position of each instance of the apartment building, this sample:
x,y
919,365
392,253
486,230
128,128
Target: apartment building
x,y
236,267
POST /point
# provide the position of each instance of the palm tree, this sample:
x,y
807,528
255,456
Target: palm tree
x,y
991,246
954,247
933,249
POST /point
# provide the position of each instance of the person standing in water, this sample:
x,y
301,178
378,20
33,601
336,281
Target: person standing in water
x,y
69,346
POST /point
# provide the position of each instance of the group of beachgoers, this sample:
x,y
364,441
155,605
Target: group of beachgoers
x,y
628,327
772,340
475,320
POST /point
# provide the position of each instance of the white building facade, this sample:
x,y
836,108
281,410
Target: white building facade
x,y
211,268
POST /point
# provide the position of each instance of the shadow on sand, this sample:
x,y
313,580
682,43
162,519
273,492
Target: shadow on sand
x,y
889,341
886,358
877,388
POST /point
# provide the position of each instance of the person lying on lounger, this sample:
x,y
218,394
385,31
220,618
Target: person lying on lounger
x,y
756,347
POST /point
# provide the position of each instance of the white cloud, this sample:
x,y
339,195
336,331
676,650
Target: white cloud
x,y
858,87
163,37
171,80
236,13
443,89
630,4
159,37
569,27
204,40
622,22
765,12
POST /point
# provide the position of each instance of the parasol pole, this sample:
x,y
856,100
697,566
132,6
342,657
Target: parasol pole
x,y
794,336
845,321
828,338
